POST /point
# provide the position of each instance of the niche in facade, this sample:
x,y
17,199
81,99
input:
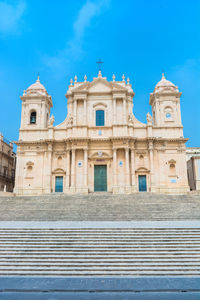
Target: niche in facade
x,y
29,169
172,167
59,161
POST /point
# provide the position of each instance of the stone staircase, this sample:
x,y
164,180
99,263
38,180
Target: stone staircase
x,y
100,252
100,207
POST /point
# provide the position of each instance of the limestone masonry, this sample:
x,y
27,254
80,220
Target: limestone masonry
x,y
101,146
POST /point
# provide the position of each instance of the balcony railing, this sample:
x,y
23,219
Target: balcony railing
x,y
6,176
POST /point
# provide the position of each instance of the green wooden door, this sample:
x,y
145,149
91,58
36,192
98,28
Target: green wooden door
x,y
142,183
100,178
59,184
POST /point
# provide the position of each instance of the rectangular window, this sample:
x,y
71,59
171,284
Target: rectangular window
x,y
100,118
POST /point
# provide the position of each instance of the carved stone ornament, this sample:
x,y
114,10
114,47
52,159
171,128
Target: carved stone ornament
x,y
130,119
70,120
149,119
51,120
100,153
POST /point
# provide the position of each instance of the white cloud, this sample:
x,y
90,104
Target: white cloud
x,y
64,58
10,16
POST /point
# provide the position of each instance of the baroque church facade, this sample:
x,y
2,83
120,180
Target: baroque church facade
x,y
101,146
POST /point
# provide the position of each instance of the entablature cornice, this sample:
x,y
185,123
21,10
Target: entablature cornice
x,y
170,126
80,96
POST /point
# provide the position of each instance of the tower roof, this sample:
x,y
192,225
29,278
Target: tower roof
x,y
36,88
165,85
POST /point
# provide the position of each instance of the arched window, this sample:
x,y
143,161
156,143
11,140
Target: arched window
x,y
29,169
172,169
100,118
168,113
33,117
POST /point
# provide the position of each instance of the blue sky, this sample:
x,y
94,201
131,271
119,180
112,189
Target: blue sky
x,y
60,39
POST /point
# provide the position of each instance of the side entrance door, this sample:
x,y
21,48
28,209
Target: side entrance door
x,y
142,183
59,184
100,178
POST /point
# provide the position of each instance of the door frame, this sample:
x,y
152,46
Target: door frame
x,y
57,172
144,175
101,164
145,172
59,176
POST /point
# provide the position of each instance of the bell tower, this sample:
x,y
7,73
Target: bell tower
x,y
36,105
165,102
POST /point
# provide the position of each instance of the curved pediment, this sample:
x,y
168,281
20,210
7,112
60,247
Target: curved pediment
x,y
142,170
100,104
58,171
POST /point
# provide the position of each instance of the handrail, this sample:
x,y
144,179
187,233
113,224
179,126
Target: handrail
x,y
2,174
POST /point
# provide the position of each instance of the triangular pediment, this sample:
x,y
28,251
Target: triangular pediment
x,y
99,85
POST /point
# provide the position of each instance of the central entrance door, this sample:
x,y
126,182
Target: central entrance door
x,y
142,183
100,178
59,184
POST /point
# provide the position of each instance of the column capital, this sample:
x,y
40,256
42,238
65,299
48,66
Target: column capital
x,y
150,145
50,147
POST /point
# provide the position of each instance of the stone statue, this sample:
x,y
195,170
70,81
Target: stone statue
x,y
70,120
51,120
130,119
149,119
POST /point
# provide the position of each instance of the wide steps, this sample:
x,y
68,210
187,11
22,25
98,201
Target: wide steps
x,y
100,252
100,207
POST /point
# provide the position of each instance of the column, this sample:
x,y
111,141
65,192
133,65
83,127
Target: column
x,y
47,169
127,167
124,110
85,112
133,166
24,117
67,168
151,163
114,111
73,168
115,167
85,167
74,110
42,118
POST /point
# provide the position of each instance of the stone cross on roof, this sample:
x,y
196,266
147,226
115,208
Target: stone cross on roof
x,y
100,62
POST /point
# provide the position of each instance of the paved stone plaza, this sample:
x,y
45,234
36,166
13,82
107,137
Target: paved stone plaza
x,y
100,207
119,246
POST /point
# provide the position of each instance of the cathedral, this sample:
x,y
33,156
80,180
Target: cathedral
x,y
101,146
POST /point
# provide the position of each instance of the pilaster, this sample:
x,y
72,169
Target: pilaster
x,y
73,168
47,182
151,160
128,187
86,168
114,170
133,179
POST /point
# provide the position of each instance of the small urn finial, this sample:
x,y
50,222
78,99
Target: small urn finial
x,y
113,77
75,78
123,77
85,78
71,82
99,74
128,80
